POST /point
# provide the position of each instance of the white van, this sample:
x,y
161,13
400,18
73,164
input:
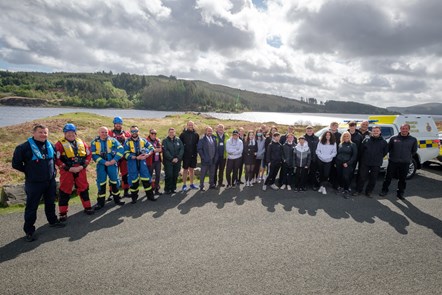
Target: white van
x,y
422,127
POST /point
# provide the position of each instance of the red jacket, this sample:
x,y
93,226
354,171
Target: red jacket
x,y
121,137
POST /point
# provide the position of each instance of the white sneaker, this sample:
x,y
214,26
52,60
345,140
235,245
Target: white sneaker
x,y
284,187
247,183
324,192
321,189
289,188
275,187
264,187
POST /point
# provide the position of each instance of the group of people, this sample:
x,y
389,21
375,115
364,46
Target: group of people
x,y
125,160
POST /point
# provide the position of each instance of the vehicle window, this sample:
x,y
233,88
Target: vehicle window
x,y
322,131
386,131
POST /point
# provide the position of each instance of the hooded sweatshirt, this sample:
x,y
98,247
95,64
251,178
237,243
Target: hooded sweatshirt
x,y
326,152
302,155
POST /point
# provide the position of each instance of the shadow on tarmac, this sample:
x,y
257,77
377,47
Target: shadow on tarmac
x,y
361,209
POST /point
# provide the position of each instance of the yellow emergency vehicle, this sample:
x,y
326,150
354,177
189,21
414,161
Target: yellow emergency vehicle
x,y
422,127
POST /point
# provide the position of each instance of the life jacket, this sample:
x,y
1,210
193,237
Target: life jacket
x,y
131,144
69,151
118,136
36,154
97,143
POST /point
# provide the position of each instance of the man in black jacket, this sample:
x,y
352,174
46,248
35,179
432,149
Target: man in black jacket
x,y
373,150
312,141
274,160
363,129
36,159
190,141
401,148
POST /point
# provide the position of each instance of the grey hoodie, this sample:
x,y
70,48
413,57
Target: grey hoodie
x,y
301,155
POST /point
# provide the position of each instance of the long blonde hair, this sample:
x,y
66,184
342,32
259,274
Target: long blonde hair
x,y
345,133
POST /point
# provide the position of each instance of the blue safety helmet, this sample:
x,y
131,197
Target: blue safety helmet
x,y
69,127
118,120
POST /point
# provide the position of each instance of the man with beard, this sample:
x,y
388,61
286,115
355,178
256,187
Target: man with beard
x,y
119,134
136,151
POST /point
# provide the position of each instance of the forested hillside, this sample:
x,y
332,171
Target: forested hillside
x,y
426,108
108,90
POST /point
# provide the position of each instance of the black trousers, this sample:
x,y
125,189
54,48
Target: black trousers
x,y
287,174
256,168
172,170
274,169
399,170
333,176
324,171
219,170
369,173
344,175
301,177
313,170
232,167
241,167
34,192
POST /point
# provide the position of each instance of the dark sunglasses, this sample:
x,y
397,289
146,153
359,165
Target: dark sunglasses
x,y
133,131
153,133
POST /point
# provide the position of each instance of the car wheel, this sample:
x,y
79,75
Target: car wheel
x,y
412,169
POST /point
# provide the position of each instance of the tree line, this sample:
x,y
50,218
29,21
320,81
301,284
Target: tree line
x,y
125,90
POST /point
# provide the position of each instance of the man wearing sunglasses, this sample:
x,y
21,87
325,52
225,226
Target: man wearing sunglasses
x,y
136,151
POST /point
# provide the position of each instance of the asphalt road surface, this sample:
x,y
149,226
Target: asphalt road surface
x,y
239,241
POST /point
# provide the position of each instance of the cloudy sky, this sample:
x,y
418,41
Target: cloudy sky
x,y
386,53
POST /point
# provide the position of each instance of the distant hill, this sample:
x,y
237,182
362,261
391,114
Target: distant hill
x,y
349,107
426,109
108,90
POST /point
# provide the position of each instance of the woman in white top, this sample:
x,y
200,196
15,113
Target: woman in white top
x,y
325,151
234,148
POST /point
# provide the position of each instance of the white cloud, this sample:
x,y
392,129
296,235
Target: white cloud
x,y
339,49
